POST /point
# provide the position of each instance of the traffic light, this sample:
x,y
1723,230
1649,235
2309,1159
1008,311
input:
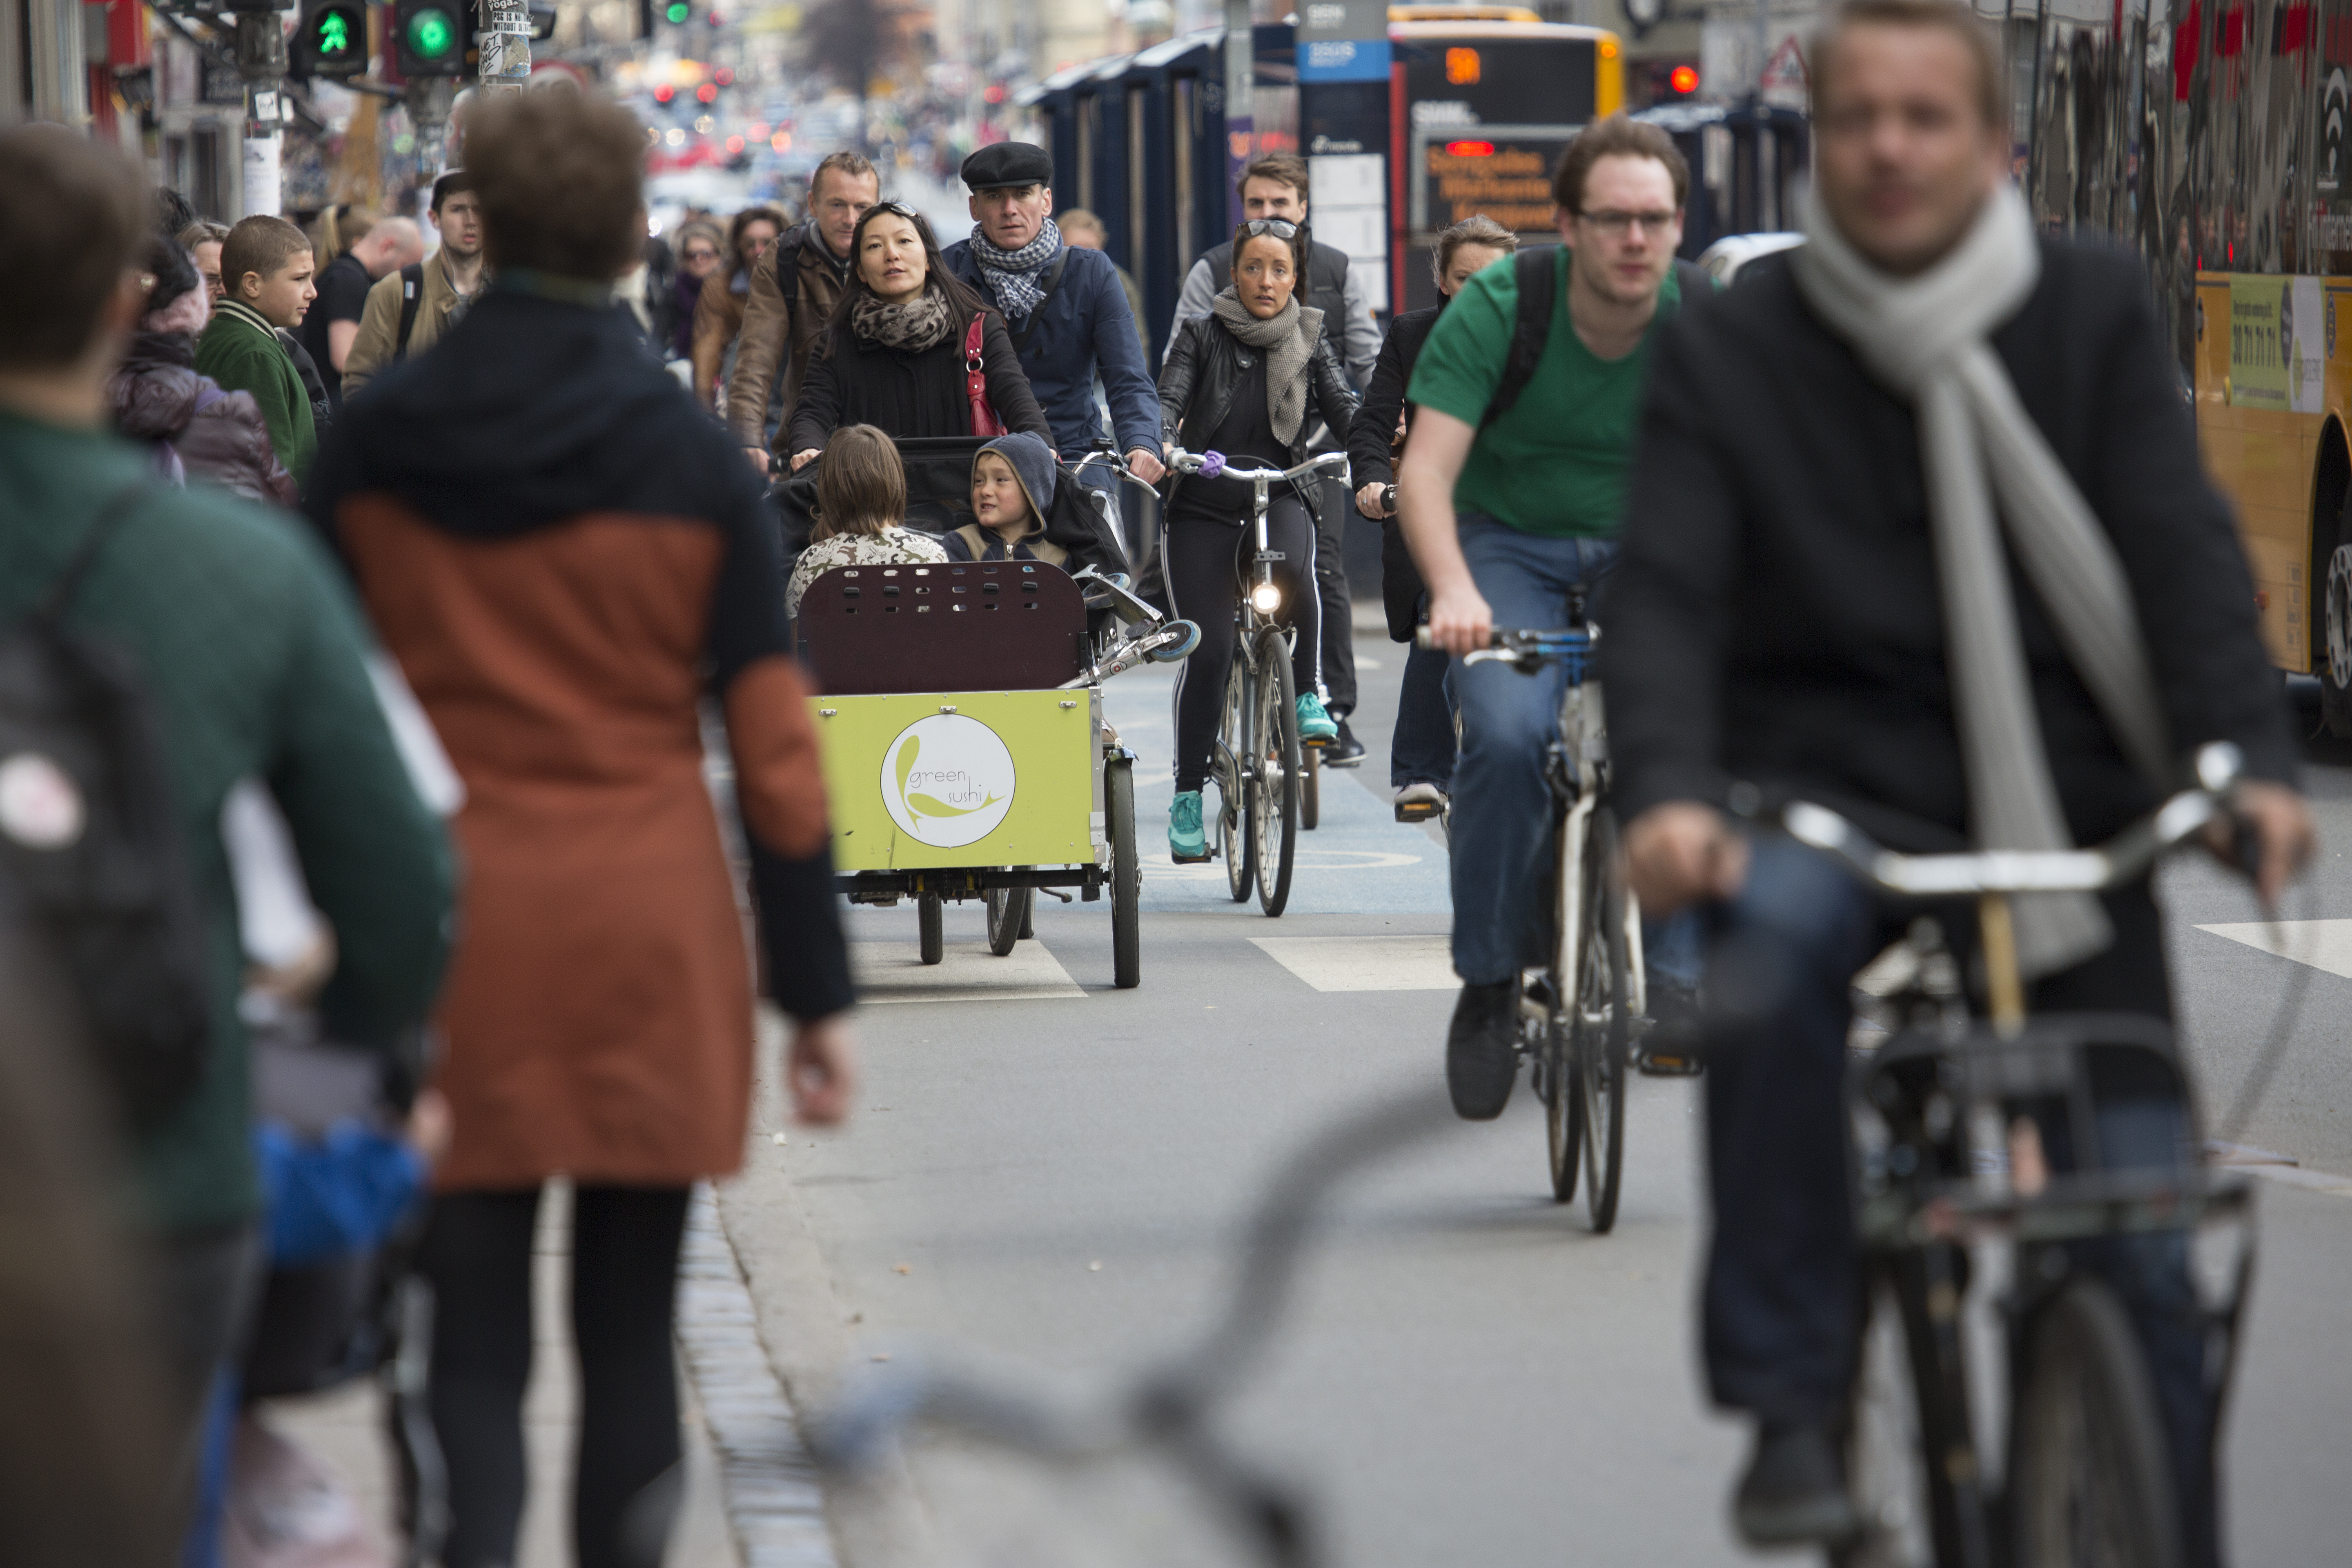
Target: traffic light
x,y
1670,82
678,12
333,40
430,37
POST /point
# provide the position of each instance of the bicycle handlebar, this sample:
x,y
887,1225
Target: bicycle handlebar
x,y
1213,465
2005,871
1524,647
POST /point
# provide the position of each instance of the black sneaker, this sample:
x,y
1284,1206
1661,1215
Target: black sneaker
x,y
1794,1491
1672,1042
1346,752
1482,1050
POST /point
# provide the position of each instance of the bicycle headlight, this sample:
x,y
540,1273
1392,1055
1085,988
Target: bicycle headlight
x,y
1265,598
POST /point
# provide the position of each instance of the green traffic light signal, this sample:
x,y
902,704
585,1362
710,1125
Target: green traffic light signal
x,y
431,34
679,12
335,34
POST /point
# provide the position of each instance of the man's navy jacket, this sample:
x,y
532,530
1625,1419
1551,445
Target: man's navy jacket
x,y
1086,330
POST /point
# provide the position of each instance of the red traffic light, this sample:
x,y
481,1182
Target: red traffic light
x,y
1683,79
995,93
708,93
1470,149
664,93
724,76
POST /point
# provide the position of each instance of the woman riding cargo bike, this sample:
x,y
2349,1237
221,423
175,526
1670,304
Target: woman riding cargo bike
x,y
1246,381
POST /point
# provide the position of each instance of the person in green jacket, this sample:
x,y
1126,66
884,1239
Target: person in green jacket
x,y
256,664
266,267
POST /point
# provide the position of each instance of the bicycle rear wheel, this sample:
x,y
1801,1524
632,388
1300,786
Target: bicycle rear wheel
x,y
1125,876
1233,773
1008,912
1601,1023
1274,788
930,927
2092,1486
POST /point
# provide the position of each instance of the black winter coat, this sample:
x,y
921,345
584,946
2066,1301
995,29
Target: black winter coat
x,y
1205,368
853,381
1774,615
1371,441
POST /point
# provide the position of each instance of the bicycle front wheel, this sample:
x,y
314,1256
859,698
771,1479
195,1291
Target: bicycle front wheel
x,y
1008,912
1562,1079
2092,1487
1273,789
1602,1025
1232,771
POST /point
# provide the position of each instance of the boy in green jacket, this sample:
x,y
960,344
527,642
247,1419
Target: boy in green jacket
x,y
266,269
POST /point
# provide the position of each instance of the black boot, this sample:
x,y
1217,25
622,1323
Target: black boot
x,y
1482,1054
1794,1491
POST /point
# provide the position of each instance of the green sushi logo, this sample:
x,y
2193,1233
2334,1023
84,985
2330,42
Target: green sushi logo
x,y
947,780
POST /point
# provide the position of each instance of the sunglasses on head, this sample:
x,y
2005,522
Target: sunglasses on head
x,y
1280,227
899,209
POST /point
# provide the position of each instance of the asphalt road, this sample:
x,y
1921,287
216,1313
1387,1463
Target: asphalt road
x,y
1047,1175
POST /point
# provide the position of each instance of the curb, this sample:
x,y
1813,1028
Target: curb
x,y
775,1503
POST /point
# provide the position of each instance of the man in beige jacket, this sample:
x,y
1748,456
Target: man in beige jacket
x,y
408,311
787,310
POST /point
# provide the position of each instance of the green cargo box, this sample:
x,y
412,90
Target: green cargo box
x,y
955,778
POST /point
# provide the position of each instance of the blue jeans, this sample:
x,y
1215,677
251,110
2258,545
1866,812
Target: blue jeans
x,y
1422,749
1502,804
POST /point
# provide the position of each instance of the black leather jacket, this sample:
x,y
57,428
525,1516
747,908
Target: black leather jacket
x,y
1205,367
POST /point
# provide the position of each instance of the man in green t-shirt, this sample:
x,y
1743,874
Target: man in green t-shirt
x,y
1505,513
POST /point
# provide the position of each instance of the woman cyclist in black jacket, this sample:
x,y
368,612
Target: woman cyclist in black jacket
x,y
1245,379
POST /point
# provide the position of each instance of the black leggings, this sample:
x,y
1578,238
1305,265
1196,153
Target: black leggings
x,y
1206,562
478,1254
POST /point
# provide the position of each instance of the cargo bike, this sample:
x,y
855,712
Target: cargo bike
x,y
964,748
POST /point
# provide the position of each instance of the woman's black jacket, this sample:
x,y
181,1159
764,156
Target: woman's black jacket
x,y
910,395
1370,440
1205,368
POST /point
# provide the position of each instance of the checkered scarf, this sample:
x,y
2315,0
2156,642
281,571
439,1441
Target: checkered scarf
x,y
1014,275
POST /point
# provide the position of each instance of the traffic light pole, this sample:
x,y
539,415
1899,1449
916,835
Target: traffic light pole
x,y
261,61
505,50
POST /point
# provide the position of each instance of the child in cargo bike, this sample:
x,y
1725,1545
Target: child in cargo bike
x,y
1012,481
861,511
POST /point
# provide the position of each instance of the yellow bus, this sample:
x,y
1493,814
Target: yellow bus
x,y
2211,135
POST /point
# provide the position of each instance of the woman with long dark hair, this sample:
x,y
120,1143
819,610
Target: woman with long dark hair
x,y
1243,380
895,355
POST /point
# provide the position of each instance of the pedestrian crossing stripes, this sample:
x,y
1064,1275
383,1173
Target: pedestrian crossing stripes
x,y
1365,963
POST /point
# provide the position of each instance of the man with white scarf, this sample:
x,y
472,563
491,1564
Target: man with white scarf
x,y
1916,530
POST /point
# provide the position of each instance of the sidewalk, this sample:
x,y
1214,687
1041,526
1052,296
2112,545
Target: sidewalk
x,y
346,1426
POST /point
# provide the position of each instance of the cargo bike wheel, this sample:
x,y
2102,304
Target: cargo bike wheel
x,y
1009,910
1126,876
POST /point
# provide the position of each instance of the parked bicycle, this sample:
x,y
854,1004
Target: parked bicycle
x,y
1578,1010
1985,1145
1263,775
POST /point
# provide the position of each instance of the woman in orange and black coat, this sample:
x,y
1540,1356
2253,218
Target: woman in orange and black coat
x,y
566,555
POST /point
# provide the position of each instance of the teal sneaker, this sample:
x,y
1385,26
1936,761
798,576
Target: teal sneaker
x,y
1186,842
1316,727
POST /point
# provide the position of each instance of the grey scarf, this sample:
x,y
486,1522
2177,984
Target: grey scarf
x,y
922,322
1017,276
1288,338
1924,338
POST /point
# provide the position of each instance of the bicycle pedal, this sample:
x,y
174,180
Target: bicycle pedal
x,y
1190,860
1670,1067
1417,811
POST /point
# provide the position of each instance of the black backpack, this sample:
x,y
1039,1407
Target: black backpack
x,y
1537,273
89,834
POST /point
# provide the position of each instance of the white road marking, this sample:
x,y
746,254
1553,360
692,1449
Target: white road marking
x,y
1304,859
1366,963
2323,944
895,972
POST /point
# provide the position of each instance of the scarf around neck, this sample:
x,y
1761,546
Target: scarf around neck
x,y
1015,277
1925,339
1288,338
916,324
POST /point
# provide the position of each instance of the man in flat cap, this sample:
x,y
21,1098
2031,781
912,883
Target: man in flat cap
x,y
1065,307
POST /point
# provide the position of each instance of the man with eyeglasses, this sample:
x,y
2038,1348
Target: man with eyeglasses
x,y
1512,493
